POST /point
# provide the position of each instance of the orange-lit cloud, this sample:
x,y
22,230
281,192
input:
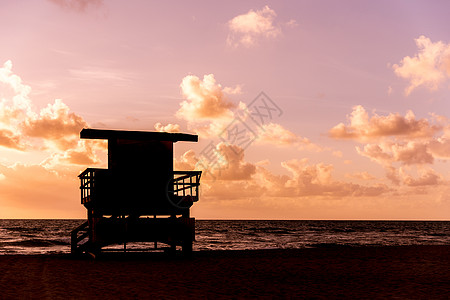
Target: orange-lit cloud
x,y
227,163
440,147
415,178
55,127
247,29
52,135
363,128
55,123
317,180
361,176
187,162
15,104
233,166
167,128
276,134
84,152
429,67
407,153
405,147
428,178
399,139
206,99
10,140
209,113
232,173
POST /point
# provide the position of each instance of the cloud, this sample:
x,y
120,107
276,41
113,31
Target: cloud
x,y
363,128
361,176
231,172
276,134
415,178
440,146
409,153
305,182
233,165
10,140
168,128
428,178
224,162
403,145
47,187
14,95
316,180
187,162
247,29
55,123
403,139
225,191
85,152
55,126
292,23
429,67
205,99
77,5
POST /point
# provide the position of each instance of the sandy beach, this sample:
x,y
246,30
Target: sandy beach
x,y
411,272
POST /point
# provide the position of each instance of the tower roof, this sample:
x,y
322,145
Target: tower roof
x,y
89,133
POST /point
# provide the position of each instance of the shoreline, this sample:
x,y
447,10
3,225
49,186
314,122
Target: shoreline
x,y
343,272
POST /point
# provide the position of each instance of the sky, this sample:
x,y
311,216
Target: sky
x,y
304,109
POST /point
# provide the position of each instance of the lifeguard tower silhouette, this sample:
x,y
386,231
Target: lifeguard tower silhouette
x,y
139,198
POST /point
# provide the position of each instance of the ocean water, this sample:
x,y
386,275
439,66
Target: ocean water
x,y
53,236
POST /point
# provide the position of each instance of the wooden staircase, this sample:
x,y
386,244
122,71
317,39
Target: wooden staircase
x,y
79,238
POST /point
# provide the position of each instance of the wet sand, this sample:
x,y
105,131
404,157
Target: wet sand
x,y
412,272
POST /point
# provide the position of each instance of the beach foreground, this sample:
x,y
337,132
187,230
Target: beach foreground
x,y
339,272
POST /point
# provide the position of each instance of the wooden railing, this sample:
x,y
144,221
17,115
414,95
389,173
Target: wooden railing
x,y
183,184
87,186
186,183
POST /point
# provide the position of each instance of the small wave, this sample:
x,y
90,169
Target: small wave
x,y
24,229
275,230
37,243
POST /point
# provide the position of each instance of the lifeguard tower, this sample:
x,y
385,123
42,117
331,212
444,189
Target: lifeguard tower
x,y
139,197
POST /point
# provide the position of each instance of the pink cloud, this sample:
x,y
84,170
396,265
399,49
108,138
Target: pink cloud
x,y
429,67
276,134
247,29
362,127
440,147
